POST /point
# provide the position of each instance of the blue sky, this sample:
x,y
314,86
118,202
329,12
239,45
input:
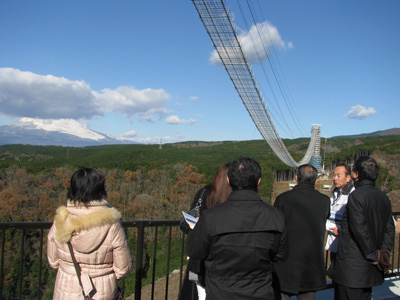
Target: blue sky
x,y
143,69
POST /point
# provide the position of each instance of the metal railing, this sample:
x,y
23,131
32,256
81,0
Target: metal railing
x,y
140,253
163,237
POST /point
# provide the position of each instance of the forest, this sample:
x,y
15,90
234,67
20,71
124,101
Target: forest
x,y
150,182
146,182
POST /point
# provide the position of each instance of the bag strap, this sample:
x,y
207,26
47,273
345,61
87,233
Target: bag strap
x,y
201,197
77,268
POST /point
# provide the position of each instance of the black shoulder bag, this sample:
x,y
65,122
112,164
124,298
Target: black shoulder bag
x,y
195,212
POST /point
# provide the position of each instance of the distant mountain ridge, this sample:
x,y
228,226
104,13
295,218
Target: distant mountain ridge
x,y
393,131
69,132
63,132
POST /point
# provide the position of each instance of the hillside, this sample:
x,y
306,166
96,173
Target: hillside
x,y
203,158
206,156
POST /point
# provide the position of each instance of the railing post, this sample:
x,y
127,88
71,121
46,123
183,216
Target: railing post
x,y
154,262
21,266
139,260
398,252
168,262
182,257
3,241
40,265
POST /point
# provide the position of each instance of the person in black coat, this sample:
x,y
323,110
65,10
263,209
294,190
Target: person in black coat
x,y
239,239
217,192
306,211
194,267
366,238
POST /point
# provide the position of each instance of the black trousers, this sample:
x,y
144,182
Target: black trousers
x,y
347,293
189,289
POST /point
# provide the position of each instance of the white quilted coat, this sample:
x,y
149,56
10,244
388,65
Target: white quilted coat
x,y
100,248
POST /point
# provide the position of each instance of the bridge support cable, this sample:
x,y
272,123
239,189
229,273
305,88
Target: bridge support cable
x,y
222,31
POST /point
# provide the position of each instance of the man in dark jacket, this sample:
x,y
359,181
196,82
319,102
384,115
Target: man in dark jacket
x,y
306,211
239,239
366,237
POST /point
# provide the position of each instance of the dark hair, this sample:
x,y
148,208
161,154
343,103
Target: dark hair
x,y
307,174
87,184
244,173
346,166
220,188
366,168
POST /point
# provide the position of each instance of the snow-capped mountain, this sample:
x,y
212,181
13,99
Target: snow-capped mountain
x,y
63,132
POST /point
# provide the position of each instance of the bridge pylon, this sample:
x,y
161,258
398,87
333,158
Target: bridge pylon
x,y
316,159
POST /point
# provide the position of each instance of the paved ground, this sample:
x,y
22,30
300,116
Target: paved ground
x,y
387,291
390,290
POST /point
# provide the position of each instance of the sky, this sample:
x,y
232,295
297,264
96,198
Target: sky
x,y
147,70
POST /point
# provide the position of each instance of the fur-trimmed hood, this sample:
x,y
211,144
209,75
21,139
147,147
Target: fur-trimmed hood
x,y
87,225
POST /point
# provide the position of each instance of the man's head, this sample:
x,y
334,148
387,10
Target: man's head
x,y
366,168
244,173
306,174
341,175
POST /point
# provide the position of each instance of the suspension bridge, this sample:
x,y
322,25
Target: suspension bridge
x,y
222,30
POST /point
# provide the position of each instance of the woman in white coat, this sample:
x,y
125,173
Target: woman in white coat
x,y
98,240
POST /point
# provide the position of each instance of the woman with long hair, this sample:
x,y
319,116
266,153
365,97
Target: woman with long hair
x,y
211,195
220,188
87,230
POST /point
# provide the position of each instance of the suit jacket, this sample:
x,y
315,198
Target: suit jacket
x,y
367,226
306,211
239,240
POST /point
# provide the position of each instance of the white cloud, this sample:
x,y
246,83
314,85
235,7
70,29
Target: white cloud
x,y
131,133
153,140
193,98
129,101
25,94
360,112
154,114
257,42
173,120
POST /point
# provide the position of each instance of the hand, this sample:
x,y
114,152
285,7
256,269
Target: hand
x,y
334,230
384,260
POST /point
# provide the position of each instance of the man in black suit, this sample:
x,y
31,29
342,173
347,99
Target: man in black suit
x,y
366,237
306,211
